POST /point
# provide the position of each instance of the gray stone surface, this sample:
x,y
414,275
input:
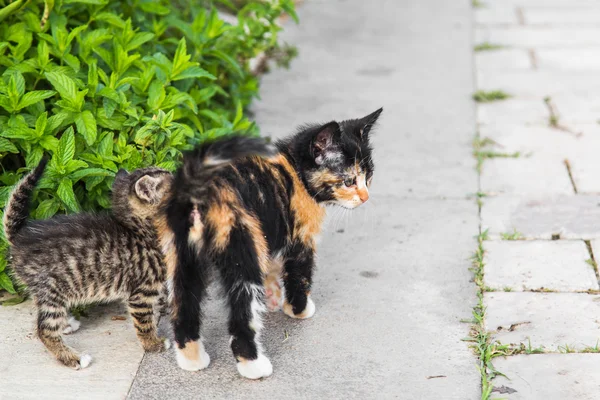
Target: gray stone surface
x,y
513,112
551,320
548,376
29,371
525,265
569,59
381,336
540,37
541,217
526,175
503,59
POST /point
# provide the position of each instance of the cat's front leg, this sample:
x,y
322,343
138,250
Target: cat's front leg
x,y
297,280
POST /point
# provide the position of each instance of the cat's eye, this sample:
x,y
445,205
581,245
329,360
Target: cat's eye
x,y
350,181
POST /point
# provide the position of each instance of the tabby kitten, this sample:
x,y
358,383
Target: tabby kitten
x,y
254,217
85,258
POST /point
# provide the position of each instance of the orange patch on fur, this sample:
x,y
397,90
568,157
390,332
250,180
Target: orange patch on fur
x,y
191,351
167,242
197,229
221,217
258,238
308,213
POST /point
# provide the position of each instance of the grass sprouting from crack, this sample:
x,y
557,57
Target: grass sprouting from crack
x,y
481,154
589,349
482,96
566,349
514,235
507,289
481,340
592,263
487,46
477,4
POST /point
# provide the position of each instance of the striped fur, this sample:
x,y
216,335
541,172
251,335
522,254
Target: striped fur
x,y
84,258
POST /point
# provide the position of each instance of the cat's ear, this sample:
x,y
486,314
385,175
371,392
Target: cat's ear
x,y
366,123
325,142
146,188
121,174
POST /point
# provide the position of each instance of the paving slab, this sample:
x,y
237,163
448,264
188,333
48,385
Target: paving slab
x,y
29,371
537,84
548,376
385,304
487,15
513,112
569,217
578,16
569,59
558,265
551,320
540,37
503,59
526,175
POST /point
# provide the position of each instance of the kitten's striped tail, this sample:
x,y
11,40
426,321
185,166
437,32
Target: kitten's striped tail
x,y
16,211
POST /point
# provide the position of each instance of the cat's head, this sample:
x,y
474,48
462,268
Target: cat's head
x,y
140,193
337,167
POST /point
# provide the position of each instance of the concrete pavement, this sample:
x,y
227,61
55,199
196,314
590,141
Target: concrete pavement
x,y
392,282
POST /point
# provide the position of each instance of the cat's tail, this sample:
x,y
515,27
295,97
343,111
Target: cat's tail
x,y
16,211
201,163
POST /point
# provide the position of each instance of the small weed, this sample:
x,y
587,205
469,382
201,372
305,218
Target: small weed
x,y
489,289
484,235
566,349
507,289
477,4
592,263
80,311
481,96
515,235
553,118
594,349
486,46
532,350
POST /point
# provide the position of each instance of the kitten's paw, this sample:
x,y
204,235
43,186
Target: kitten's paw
x,y
255,369
84,361
156,344
192,357
308,312
72,326
273,293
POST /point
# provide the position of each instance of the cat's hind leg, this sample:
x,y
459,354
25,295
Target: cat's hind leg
x,y
141,307
51,320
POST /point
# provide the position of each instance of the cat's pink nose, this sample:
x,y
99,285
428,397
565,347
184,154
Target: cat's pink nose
x,y
363,195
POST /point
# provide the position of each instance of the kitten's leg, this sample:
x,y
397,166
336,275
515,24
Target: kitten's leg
x,y
188,291
51,319
243,282
297,280
141,307
273,291
73,325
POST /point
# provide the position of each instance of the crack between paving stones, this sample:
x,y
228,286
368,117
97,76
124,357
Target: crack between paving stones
x,y
570,172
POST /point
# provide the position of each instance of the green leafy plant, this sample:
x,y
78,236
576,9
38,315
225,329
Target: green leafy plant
x,y
99,85
482,96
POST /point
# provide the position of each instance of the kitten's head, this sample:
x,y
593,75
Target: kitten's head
x,y
140,193
337,168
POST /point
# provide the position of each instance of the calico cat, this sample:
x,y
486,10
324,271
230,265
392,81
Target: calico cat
x,y
254,217
84,258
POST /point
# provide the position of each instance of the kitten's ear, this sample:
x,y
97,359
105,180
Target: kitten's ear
x,y
146,188
325,141
121,174
366,123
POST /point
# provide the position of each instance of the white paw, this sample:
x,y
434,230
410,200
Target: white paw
x,y
192,357
85,360
308,312
167,344
255,369
72,326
